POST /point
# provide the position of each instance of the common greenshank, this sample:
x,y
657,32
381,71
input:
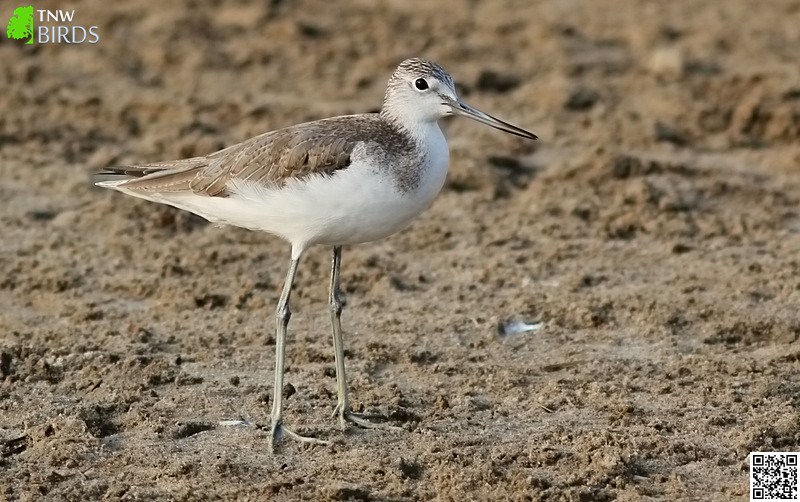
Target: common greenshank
x,y
336,181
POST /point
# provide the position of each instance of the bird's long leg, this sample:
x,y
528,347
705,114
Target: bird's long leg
x,y
343,404
282,316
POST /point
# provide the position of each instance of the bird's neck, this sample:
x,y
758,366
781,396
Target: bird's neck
x,y
421,131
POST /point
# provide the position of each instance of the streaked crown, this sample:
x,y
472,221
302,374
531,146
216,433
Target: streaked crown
x,y
420,68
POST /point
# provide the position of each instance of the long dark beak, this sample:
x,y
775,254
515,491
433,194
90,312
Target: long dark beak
x,y
461,108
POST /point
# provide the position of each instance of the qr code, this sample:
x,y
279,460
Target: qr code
x,y
773,476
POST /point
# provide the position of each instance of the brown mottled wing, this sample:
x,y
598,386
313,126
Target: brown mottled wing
x,y
319,147
323,146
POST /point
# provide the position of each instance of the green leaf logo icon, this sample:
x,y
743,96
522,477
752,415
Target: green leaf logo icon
x,y
20,26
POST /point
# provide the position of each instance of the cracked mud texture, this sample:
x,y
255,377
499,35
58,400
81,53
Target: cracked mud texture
x,y
653,230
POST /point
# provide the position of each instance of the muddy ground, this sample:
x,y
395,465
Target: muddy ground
x,y
653,230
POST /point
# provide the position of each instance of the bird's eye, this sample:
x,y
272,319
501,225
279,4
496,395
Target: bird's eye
x,y
421,84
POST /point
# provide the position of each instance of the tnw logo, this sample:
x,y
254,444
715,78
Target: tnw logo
x,y
48,27
20,26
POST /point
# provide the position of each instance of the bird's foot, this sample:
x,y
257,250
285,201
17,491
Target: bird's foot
x,y
360,419
278,430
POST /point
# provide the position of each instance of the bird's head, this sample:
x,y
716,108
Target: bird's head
x,y
421,91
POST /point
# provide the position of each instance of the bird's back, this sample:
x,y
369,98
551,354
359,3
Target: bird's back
x,y
319,147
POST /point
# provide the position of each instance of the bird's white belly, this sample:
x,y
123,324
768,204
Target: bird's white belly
x,y
358,204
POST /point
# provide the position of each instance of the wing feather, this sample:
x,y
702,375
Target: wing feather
x,y
320,147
